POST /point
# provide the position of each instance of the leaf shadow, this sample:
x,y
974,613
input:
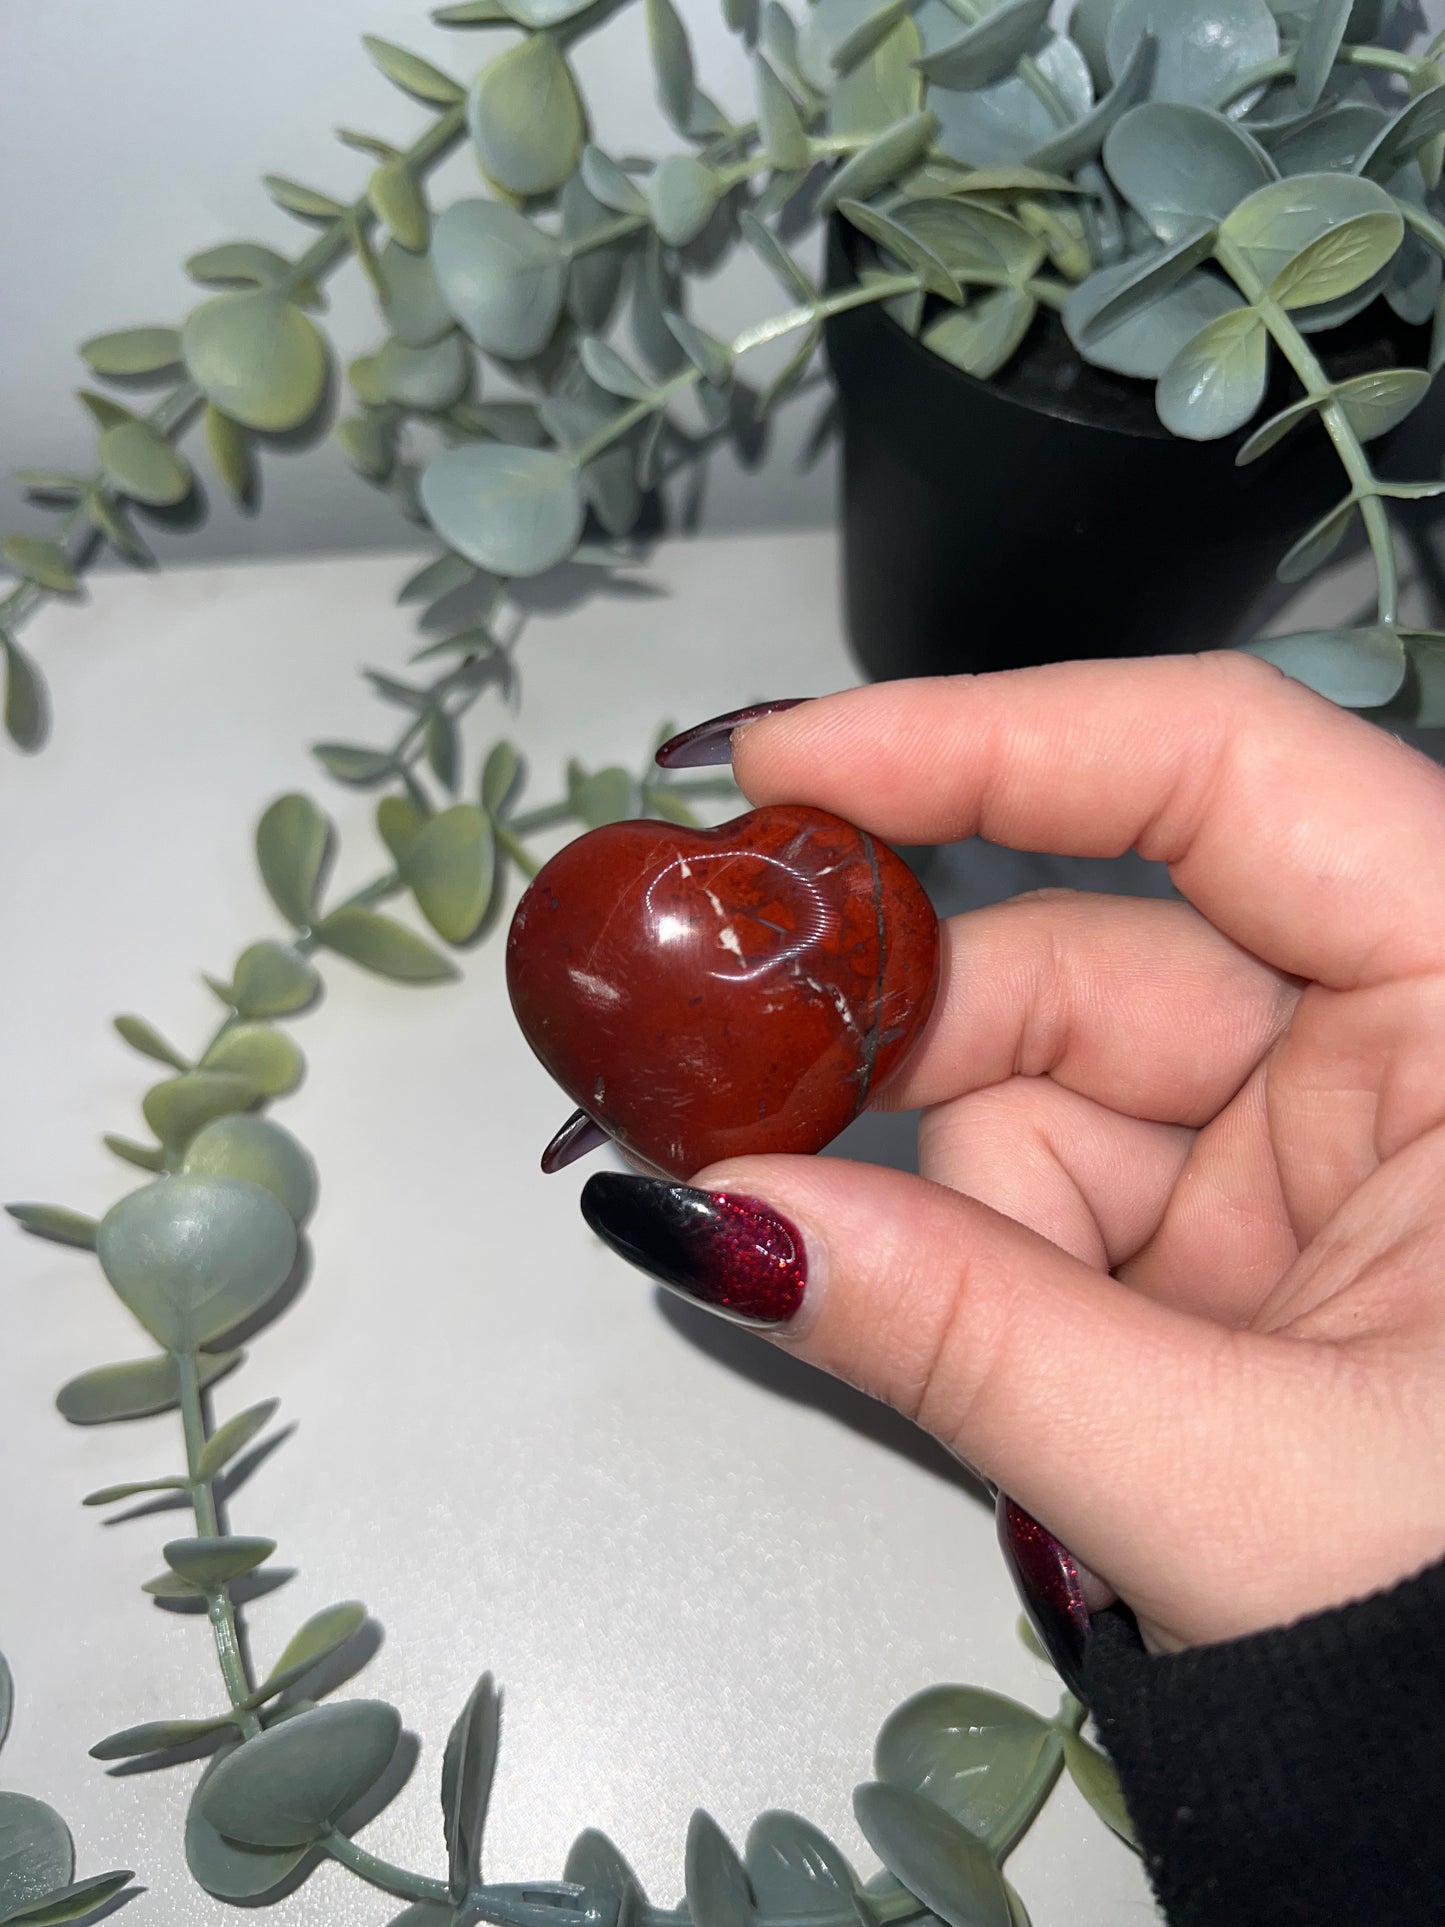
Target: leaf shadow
x,y
279,1302
382,1792
250,1587
114,1904
247,1464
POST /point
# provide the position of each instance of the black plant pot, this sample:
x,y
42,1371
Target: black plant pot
x,y
1047,513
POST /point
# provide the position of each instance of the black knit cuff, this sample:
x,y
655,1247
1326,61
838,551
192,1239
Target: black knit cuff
x,y
1295,1778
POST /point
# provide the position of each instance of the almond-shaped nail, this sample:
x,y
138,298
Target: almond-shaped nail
x,y
735,1255
577,1137
1049,1582
706,744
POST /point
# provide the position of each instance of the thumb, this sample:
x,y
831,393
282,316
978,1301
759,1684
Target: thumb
x,y
1128,1428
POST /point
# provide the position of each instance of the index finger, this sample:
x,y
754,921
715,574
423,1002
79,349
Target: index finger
x,y
1312,838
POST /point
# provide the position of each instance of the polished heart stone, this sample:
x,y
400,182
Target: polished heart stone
x,y
707,993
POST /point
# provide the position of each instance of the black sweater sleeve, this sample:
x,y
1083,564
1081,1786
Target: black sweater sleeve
x,y
1295,1778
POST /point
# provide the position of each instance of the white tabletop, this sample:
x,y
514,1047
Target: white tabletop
x,y
702,1573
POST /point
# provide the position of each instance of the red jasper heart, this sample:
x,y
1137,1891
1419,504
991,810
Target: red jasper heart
x,y
702,994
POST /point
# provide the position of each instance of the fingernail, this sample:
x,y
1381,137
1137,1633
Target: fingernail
x,y
711,742
734,1255
577,1137
1048,1580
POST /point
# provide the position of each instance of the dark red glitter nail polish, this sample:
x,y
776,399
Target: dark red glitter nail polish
x,y
711,742
577,1137
1046,1575
734,1255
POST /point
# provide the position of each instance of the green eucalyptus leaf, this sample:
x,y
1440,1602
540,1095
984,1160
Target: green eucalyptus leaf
x,y
1357,668
238,263
146,1039
933,1854
257,358
383,945
290,1785
108,517
449,866
516,511
77,1900
775,257
502,277
36,1854
57,482
443,748
260,1150
884,160
1144,343
137,1389
1332,139
606,797
1339,262
212,1562
259,1052
681,196
796,1870
607,183
353,762
442,577
104,412
982,336
398,202
878,91
230,451
272,980
967,1750
526,117
469,1765
1400,141
718,1894
307,203
56,1224
501,774
595,1864
1084,140
1319,43
1318,543
399,822
191,1256
177,1107
1181,166
1281,221
1091,1771
147,1157
659,800
1201,50
1275,429
293,849
411,299
594,274
143,465
868,35
1150,275
26,709
411,73
233,1437
780,125
1376,403
40,561
323,1634
711,357
967,237
672,62
368,443
133,1488
608,369
1002,125
428,379
222,1868
154,1735
133,351
1216,382
989,50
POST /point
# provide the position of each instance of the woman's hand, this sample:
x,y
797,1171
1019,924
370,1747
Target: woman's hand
x,y
1174,1274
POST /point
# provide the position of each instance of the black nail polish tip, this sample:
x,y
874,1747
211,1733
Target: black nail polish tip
x,y
708,744
733,1255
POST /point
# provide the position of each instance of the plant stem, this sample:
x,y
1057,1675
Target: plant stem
x,y
381,1873
1317,385
219,1609
517,850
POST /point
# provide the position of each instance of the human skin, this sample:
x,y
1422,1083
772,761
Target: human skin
x,y
1173,1274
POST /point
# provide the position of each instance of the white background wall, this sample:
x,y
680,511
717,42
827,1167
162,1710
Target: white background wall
x,y
134,132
